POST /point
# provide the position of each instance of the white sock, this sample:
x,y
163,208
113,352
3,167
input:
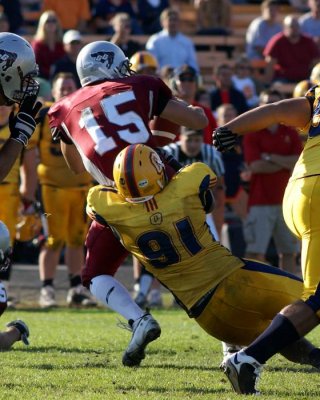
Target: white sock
x,y
145,284
115,296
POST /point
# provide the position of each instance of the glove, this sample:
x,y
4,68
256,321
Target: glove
x,y
168,159
23,124
224,139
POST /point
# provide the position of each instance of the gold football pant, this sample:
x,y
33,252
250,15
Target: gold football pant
x,y
66,217
301,209
245,302
9,205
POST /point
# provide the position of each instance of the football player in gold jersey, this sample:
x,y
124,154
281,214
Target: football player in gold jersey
x,y
63,197
301,213
163,225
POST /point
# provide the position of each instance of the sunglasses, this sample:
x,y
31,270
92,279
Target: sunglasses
x,y
187,78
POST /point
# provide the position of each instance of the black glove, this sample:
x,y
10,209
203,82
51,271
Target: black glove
x,y
224,139
23,124
168,158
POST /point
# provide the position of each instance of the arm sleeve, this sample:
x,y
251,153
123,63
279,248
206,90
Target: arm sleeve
x,y
164,94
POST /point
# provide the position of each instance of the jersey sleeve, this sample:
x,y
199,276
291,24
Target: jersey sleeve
x,y
102,204
162,95
55,114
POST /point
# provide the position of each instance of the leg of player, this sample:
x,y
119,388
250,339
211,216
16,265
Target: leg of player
x,y
16,330
102,246
48,261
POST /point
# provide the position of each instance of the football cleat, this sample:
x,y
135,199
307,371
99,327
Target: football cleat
x,y
228,349
144,330
47,297
22,328
243,372
80,296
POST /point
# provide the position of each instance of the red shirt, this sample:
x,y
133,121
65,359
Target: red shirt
x,y
268,189
104,118
46,57
293,59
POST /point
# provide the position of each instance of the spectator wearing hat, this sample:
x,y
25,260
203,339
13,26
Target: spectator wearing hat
x,y
72,44
262,29
184,84
170,46
191,148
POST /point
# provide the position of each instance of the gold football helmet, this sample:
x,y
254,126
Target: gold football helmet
x,y
315,74
144,62
139,173
28,227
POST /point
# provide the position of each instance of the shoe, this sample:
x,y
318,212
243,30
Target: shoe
x,y
155,299
141,300
80,296
47,297
228,349
22,328
243,372
144,330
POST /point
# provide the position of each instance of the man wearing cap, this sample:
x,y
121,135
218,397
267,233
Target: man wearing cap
x,y
72,43
184,85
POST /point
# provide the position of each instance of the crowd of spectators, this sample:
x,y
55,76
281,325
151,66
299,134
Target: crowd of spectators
x,y
289,49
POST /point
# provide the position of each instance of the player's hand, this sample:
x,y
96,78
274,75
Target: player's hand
x,y
23,124
224,139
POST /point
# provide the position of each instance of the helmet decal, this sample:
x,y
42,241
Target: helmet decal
x,y
104,57
7,59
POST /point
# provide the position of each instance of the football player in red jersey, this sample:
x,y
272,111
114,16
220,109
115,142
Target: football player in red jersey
x,y
110,111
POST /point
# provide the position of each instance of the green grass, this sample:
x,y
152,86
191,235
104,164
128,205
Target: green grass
x,y
76,354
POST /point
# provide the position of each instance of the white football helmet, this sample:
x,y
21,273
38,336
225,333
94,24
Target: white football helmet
x,y
101,60
17,68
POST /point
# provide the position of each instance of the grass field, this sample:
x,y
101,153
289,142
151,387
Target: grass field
x,y
76,354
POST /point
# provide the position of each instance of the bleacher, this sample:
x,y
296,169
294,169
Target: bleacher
x,y
211,50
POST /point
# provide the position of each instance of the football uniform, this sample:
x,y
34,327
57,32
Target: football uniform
x,y
9,188
302,198
63,193
169,236
101,120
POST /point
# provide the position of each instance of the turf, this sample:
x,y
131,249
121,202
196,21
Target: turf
x,y
76,354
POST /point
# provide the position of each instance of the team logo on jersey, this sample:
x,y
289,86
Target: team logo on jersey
x,y
156,219
105,57
7,59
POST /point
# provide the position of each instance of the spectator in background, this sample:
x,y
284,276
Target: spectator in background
x,y
106,10
243,81
290,55
73,14
72,44
170,46
184,84
149,12
191,148
47,43
310,22
261,29
12,9
213,17
122,31
225,92
4,23
270,155
203,97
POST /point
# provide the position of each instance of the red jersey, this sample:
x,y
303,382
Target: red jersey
x,y
102,119
268,189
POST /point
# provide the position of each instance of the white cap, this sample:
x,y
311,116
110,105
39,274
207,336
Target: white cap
x,y
72,36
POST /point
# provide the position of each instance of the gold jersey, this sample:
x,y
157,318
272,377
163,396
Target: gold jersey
x,y
308,162
52,168
168,234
